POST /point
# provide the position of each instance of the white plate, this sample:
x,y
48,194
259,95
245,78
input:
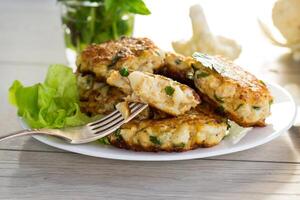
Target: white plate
x,y
282,118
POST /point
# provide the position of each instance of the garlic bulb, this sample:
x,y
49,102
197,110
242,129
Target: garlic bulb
x,y
204,41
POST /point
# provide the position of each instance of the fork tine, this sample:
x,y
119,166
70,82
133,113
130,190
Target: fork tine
x,y
136,112
110,129
103,126
101,123
116,124
135,109
109,120
103,119
108,116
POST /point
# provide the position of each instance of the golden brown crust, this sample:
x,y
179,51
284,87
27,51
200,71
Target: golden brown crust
x,y
244,99
133,53
216,108
97,101
176,134
177,67
246,81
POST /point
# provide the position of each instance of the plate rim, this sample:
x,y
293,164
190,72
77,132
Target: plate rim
x,y
265,140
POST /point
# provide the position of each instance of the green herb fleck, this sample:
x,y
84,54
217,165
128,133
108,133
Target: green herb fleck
x,y
115,59
118,135
180,145
210,62
157,53
104,141
154,140
262,82
270,103
256,107
201,74
228,125
124,72
169,90
219,99
239,106
178,61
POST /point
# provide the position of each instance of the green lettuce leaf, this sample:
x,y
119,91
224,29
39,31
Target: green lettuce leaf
x,y
52,104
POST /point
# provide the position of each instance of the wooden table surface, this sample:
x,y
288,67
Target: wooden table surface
x,y
31,39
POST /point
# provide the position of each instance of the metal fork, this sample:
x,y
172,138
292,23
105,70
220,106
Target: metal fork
x,y
89,132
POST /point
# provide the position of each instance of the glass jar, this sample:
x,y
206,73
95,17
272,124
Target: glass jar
x,y
87,22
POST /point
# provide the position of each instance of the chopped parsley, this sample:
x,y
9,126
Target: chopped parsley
x,y
219,99
157,53
118,135
124,72
239,106
180,145
154,140
169,90
228,125
116,58
262,82
104,140
256,107
178,61
201,74
210,62
270,103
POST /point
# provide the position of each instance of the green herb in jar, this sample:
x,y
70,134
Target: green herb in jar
x,y
96,21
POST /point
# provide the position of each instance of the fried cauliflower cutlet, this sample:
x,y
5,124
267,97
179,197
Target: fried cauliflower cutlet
x,y
177,67
181,133
245,99
133,53
160,92
233,91
97,97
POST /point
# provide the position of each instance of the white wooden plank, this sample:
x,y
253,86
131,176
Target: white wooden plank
x,y
28,175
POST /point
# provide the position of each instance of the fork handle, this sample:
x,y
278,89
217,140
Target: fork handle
x,y
18,133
